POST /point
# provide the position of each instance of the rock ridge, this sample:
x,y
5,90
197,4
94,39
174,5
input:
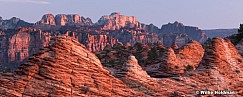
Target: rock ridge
x,y
63,68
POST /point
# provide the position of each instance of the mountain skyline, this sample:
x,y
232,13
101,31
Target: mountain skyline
x,y
216,15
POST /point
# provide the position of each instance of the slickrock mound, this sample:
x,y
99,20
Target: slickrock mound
x,y
138,79
13,23
171,63
64,20
239,47
167,66
221,67
64,68
191,54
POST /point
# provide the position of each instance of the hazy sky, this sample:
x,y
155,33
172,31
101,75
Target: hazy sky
x,y
205,14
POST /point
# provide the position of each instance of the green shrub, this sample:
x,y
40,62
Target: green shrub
x,y
189,68
176,67
3,92
85,89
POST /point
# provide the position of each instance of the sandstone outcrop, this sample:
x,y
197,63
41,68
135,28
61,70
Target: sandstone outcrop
x,y
138,79
96,43
64,20
115,21
47,19
72,19
174,62
191,54
221,67
64,68
16,46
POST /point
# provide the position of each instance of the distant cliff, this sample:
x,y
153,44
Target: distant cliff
x,y
62,20
13,23
177,32
220,32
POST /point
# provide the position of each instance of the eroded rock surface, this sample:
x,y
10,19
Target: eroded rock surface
x,y
64,68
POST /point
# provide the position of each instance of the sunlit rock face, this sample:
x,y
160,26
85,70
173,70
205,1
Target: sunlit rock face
x,y
96,43
191,54
16,46
47,19
64,20
71,19
116,21
64,68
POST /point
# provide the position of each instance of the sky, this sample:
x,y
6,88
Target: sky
x,y
205,14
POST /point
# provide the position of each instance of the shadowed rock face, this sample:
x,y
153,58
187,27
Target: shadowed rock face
x,y
177,32
13,23
239,47
64,68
